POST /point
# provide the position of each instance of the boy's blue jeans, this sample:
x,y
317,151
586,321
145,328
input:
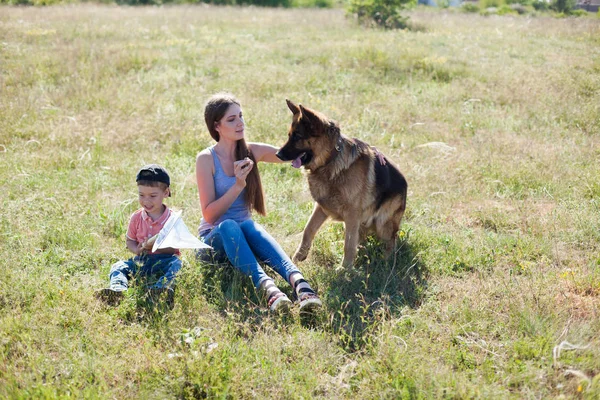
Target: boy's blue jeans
x,y
165,266
245,245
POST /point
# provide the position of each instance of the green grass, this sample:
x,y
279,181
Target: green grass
x,y
493,120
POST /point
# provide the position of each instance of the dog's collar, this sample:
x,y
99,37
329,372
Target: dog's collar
x,y
338,145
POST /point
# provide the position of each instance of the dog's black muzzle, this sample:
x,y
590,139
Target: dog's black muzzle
x,y
281,156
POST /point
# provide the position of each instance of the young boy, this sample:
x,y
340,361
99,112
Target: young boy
x,y
153,187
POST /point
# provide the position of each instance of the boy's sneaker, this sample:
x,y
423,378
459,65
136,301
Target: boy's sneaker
x,y
110,296
158,295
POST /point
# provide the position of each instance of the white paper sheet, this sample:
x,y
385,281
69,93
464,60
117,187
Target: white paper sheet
x,y
176,235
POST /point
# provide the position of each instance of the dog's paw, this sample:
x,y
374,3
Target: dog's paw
x,y
300,255
347,263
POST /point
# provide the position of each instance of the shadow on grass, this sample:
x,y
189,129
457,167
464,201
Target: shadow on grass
x,y
235,297
355,300
233,294
374,290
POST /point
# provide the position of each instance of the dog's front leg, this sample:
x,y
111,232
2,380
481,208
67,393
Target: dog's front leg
x,y
352,228
312,226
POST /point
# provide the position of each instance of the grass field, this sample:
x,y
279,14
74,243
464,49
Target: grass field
x,y
494,121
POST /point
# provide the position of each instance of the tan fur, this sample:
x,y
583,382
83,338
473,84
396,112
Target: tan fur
x,y
342,178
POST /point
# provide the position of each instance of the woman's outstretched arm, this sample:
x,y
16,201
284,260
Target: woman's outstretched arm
x,y
264,152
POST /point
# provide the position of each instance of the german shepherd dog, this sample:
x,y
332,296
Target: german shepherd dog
x,y
347,182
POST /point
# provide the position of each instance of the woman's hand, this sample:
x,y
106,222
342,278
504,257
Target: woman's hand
x,y
379,155
241,169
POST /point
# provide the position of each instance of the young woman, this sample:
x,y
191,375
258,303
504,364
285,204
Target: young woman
x,y
229,187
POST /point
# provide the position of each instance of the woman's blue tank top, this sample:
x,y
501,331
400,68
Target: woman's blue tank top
x,y
238,211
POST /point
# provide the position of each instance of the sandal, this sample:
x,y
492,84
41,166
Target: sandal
x,y
279,302
307,298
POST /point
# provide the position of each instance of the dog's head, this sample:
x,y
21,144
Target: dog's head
x,y
304,137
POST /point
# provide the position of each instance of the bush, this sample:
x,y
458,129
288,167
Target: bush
x,y
312,3
579,13
491,3
267,3
469,7
563,6
505,9
520,8
33,2
384,13
540,5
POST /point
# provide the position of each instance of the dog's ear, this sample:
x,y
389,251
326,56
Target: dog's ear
x,y
315,120
293,107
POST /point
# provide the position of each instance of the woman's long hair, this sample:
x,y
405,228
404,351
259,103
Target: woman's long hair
x,y
214,111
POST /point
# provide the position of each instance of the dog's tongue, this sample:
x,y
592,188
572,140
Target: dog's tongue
x,y
297,163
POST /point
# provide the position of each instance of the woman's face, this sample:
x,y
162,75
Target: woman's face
x,y
231,126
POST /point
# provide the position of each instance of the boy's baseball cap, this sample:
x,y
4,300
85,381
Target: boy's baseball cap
x,y
153,173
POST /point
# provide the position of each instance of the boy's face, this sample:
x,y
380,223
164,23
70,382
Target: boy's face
x,y
151,198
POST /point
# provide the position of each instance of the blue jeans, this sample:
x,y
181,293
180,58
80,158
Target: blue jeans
x,y
246,244
164,265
